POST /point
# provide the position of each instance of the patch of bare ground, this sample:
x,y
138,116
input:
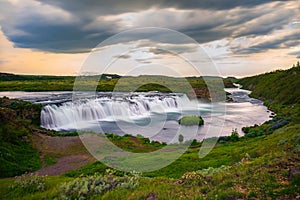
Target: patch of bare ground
x,y
68,152
65,164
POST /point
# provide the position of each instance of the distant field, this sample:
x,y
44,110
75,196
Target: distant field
x,y
112,82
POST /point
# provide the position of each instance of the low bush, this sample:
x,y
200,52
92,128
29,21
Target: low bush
x,y
266,128
232,138
84,187
29,184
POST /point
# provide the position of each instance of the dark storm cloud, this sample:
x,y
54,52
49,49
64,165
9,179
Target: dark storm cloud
x,y
125,56
173,49
214,4
203,36
158,51
295,53
285,41
55,38
116,6
75,26
265,23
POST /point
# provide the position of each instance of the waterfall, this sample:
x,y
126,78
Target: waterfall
x,y
111,108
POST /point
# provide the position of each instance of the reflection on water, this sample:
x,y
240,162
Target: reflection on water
x,y
152,115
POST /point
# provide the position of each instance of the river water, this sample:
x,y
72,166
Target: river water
x,y
153,115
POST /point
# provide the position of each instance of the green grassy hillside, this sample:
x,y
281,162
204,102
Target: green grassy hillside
x,y
280,90
281,86
17,154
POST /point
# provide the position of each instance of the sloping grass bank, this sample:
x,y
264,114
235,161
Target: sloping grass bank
x,y
261,167
17,154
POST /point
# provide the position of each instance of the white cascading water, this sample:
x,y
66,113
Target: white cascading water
x,y
110,109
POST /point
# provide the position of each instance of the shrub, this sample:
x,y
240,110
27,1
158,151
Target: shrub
x,y
191,120
204,172
282,141
195,175
245,159
195,143
180,138
200,176
84,187
234,135
296,138
212,170
33,183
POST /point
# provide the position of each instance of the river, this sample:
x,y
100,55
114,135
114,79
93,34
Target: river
x,y
153,115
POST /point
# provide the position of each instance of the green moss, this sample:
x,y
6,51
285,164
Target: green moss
x,y
191,120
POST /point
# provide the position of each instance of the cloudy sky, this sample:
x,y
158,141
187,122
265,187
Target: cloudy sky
x,y
240,38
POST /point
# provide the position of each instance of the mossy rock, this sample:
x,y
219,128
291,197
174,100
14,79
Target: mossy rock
x,y
191,121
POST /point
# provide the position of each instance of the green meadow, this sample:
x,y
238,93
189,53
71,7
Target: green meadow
x,y
194,87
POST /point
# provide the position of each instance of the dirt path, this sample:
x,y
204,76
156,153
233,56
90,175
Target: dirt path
x,y
65,164
68,152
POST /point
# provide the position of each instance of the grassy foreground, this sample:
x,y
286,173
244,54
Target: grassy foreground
x,y
262,167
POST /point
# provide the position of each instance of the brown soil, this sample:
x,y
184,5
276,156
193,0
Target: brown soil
x,y
134,139
65,164
69,152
